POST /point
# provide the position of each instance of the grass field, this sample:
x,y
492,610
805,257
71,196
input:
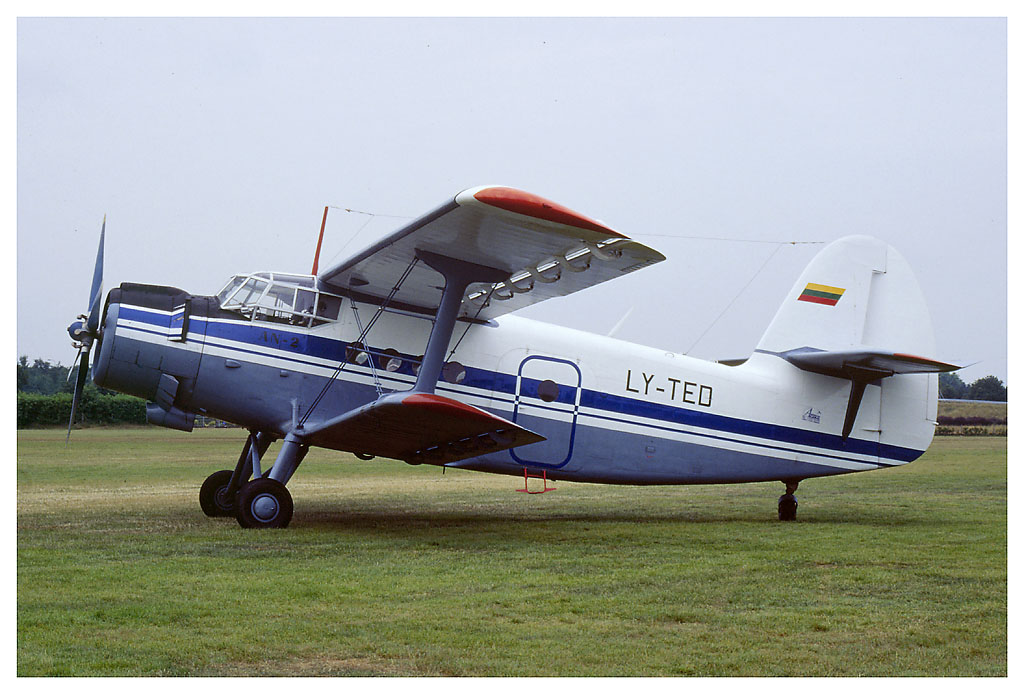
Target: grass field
x,y
389,569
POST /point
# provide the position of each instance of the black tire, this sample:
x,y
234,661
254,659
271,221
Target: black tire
x,y
787,507
212,499
263,503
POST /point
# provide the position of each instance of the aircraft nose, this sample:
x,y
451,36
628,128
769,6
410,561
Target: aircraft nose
x,y
104,340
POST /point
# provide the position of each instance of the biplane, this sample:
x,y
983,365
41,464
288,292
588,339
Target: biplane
x,y
412,350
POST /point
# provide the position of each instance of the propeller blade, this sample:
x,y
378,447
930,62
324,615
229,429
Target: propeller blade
x,y
96,293
75,360
83,373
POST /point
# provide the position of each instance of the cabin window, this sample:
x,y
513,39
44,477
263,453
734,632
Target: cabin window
x,y
547,391
391,360
454,372
355,354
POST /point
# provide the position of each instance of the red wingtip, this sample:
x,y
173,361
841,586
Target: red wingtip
x,y
524,203
447,405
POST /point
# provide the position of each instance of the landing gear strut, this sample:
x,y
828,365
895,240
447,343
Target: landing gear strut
x,y
787,502
265,501
217,495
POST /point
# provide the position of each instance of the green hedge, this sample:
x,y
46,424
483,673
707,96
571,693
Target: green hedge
x,y
976,430
54,410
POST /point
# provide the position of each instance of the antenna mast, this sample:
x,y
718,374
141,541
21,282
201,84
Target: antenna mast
x,y
316,258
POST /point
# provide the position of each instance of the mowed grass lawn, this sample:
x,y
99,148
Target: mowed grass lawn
x,y
389,569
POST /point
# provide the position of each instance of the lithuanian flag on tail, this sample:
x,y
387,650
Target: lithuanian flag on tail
x,y
821,294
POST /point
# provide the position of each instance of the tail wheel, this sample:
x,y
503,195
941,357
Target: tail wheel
x,y
263,503
787,507
212,495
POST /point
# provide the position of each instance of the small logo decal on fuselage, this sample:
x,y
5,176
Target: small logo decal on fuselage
x,y
812,415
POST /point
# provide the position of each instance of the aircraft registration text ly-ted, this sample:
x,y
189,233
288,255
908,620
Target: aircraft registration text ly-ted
x,y
689,392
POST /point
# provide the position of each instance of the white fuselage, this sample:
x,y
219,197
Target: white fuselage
x,y
612,411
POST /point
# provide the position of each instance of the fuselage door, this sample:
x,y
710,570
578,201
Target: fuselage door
x,y
547,401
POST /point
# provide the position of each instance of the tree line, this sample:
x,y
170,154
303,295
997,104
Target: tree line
x,y
44,398
952,387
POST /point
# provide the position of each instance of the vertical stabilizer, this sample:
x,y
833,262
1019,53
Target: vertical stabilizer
x,y
857,314
827,307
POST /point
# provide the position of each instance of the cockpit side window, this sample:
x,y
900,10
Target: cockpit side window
x,y
327,309
250,292
277,298
276,304
229,289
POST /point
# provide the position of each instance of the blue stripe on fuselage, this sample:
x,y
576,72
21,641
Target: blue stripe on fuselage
x,y
334,350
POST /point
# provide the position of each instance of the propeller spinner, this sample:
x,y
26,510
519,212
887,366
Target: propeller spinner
x,y
85,330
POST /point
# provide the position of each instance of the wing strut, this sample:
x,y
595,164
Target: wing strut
x,y
458,275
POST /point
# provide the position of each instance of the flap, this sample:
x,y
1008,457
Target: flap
x,y
546,249
420,428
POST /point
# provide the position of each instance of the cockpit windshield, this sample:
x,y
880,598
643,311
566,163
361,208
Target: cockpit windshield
x,y
279,298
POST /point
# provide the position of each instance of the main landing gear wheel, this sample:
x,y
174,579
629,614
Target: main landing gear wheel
x,y
787,503
212,497
263,503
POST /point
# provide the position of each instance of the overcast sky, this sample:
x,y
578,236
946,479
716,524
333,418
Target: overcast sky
x,y
212,145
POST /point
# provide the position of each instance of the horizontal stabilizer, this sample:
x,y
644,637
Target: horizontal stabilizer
x,y
861,366
843,363
420,428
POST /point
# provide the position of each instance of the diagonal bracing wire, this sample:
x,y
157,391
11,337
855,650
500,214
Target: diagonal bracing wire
x,y
361,340
720,238
473,322
362,334
370,217
738,294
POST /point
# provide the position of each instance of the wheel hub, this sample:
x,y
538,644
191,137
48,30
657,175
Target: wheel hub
x,y
265,508
222,498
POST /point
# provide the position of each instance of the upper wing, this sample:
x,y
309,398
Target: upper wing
x,y
547,250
